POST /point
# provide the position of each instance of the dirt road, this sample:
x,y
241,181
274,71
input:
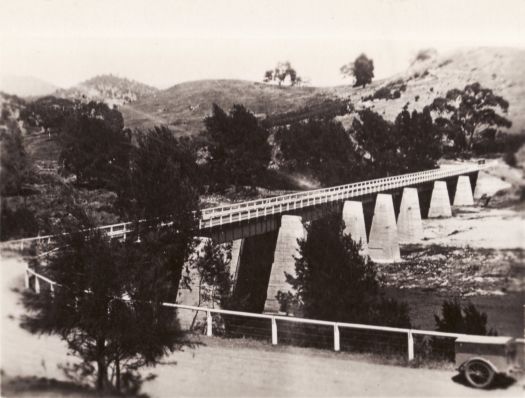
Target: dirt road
x,y
231,368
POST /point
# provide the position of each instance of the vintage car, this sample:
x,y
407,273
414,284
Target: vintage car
x,y
480,358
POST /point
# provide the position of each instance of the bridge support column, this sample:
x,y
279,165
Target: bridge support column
x,y
286,249
383,245
463,195
235,260
354,220
409,225
440,202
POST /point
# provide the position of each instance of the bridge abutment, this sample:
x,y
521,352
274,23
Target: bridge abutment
x,y
409,225
440,201
354,219
286,249
383,245
463,195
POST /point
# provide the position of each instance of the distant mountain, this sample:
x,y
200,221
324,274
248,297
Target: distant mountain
x,y
26,86
111,89
500,69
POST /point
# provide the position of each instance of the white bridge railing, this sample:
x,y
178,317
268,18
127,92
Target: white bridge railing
x,y
234,213
279,204
272,319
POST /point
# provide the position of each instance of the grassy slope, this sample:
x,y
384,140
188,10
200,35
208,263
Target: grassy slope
x,y
184,106
500,69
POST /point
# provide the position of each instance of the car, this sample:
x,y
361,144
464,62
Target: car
x,y
481,358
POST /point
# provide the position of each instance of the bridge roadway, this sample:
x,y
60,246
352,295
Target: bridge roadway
x,y
240,220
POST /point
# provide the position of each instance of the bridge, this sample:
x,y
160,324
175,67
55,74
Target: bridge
x,y
382,213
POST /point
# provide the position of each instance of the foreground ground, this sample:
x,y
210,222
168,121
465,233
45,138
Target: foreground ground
x,y
221,367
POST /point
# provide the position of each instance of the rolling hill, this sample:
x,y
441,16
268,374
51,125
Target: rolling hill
x,y
111,89
500,69
183,106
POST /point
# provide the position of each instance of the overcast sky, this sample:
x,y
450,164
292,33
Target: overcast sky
x,y
166,42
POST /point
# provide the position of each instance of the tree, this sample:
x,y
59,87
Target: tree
x,y
213,273
458,319
95,146
49,113
322,147
107,306
411,144
471,114
239,150
162,187
15,163
281,72
362,69
335,283
419,140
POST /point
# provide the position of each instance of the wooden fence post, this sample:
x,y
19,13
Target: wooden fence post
x,y
274,331
337,342
209,322
410,346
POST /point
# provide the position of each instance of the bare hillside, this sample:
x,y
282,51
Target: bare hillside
x,y
500,69
111,89
183,106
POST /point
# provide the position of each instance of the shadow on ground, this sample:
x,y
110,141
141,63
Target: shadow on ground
x,y
501,382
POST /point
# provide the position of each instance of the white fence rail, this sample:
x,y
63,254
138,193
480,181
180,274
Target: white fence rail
x,y
223,215
336,326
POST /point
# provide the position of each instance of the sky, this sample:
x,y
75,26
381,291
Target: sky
x,y
162,43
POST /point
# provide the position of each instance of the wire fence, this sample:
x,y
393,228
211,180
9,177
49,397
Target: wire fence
x,y
411,344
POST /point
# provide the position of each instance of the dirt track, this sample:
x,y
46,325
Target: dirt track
x,y
232,368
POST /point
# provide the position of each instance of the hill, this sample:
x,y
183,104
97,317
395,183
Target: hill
x,y
183,106
500,69
26,86
111,89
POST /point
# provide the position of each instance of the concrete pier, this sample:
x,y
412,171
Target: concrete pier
x,y
409,225
354,220
286,249
383,245
236,259
440,202
463,195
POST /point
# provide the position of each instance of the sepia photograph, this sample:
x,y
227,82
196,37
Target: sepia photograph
x,y
262,198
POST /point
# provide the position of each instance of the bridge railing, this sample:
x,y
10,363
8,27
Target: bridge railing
x,y
222,215
34,281
228,214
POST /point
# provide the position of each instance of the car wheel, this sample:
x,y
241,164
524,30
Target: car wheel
x,y
479,374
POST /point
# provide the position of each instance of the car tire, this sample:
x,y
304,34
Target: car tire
x,y
479,373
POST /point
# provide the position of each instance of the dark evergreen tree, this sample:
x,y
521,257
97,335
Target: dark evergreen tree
x,y
419,140
15,164
321,147
458,319
95,146
239,150
161,194
107,306
334,282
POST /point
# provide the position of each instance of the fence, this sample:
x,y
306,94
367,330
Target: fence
x,y
339,332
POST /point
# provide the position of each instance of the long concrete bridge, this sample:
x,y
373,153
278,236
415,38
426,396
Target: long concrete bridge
x,y
382,213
